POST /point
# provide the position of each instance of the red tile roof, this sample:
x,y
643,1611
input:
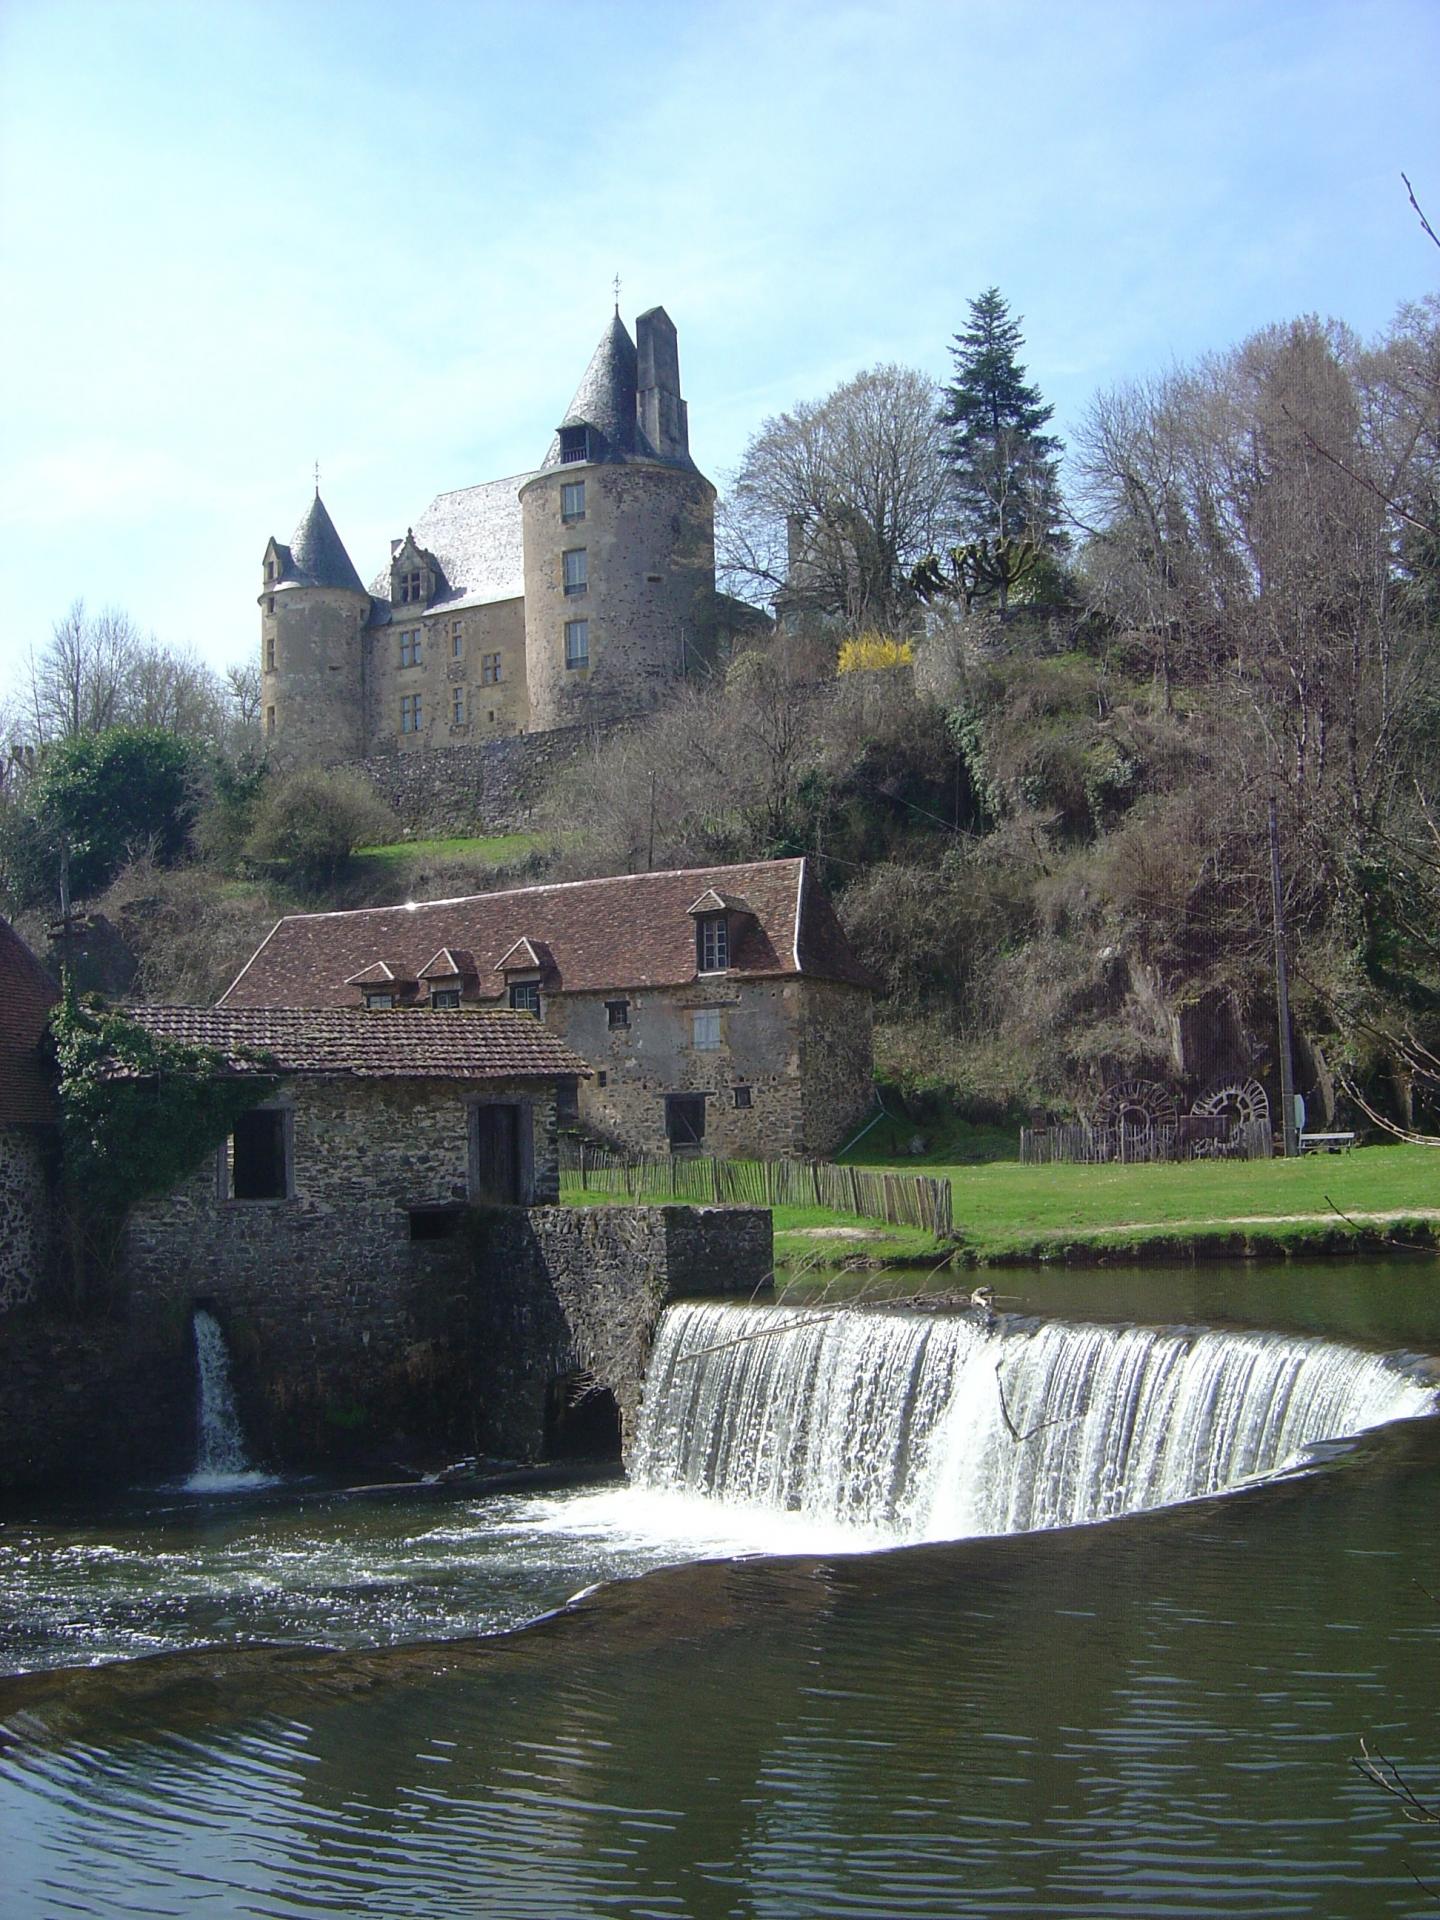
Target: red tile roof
x,y
404,1044
27,994
630,931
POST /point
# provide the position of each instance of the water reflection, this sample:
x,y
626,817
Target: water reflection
x,y
1155,1716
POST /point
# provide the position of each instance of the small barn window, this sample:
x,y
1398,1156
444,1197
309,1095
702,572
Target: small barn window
x,y
617,1013
742,1097
705,1023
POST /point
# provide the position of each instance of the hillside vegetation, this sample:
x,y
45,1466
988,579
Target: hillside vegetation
x,y
1033,754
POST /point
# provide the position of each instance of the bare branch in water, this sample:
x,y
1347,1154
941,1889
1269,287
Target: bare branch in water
x,y
1060,1420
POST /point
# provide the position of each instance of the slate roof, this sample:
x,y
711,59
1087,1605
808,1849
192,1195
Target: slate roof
x,y
475,535
406,1044
605,401
628,932
27,993
316,555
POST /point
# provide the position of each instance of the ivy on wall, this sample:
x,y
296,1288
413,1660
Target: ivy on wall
x,y
137,1114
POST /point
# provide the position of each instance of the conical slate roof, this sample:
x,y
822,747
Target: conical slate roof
x,y
605,399
317,553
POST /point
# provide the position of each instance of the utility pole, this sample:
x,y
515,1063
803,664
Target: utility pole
x,y
1282,991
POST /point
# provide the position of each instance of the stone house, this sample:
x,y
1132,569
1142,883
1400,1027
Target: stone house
x,y
577,592
717,1007
28,1123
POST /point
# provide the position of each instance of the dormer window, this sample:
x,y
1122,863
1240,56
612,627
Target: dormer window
x,y
379,1002
712,943
525,997
412,587
574,444
269,572
445,999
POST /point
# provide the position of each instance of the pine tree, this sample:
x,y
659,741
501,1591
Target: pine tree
x,y
1005,466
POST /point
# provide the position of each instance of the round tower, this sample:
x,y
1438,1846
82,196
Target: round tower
x,y
313,616
619,539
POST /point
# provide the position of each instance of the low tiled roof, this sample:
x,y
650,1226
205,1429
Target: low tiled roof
x,y
408,1044
27,993
631,931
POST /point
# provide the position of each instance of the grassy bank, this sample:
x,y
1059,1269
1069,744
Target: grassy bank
x,y
1005,1211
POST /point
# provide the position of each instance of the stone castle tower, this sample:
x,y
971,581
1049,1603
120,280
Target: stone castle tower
x,y
581,591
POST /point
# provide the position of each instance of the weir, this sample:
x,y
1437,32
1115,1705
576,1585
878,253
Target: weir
x,y
916,1426
220,1457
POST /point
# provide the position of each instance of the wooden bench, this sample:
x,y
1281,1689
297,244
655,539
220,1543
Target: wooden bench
x,y
1326,1142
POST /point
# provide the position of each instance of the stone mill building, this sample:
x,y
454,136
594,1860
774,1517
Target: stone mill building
x,y
580,591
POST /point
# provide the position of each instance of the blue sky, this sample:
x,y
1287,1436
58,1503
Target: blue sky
x,y
237,238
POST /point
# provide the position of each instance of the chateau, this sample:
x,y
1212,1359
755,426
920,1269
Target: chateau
x,y
580,591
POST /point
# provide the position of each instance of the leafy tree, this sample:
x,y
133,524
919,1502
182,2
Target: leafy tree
x,y
1005,481
111,795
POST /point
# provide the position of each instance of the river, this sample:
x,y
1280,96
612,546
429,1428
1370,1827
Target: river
x,y
761,1706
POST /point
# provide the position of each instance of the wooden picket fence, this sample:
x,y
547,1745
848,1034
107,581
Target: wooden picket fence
x,y
1193,1137
901,1199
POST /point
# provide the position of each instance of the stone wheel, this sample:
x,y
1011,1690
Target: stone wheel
x,y
1234,1100
1135,1105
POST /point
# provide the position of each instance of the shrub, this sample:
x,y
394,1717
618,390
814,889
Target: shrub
x,y
308,824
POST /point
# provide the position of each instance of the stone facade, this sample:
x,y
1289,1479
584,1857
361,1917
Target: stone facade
x,y
790,1070
579,592
27,1222
337,1313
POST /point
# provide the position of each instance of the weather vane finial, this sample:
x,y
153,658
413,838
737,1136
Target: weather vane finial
x,y
317,477
617,293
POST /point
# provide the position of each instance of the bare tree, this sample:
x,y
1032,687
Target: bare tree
x,y
836,501
77,684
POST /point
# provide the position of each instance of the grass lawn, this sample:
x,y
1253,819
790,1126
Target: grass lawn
x,y
1005,1206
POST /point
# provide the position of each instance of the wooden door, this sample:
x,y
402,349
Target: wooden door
x,y
497,1155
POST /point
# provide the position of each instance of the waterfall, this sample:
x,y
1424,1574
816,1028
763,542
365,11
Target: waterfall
x,y
928,1426
221,1460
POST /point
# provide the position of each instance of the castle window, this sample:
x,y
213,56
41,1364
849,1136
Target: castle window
x,y
269,719
410,713
269,571
525,997
742,1097
572,501
489,669
602,1078
705,1029
446,998
577,643
410,647
617,1013
457,639
457,709
712,943
574,444
577,569
412,588
269,653
270,603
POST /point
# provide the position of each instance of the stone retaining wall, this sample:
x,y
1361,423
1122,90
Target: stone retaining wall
x,y
491,786
573,1294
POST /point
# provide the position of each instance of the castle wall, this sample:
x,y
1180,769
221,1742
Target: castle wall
x,y
311,672
491,786
649,540
476,652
